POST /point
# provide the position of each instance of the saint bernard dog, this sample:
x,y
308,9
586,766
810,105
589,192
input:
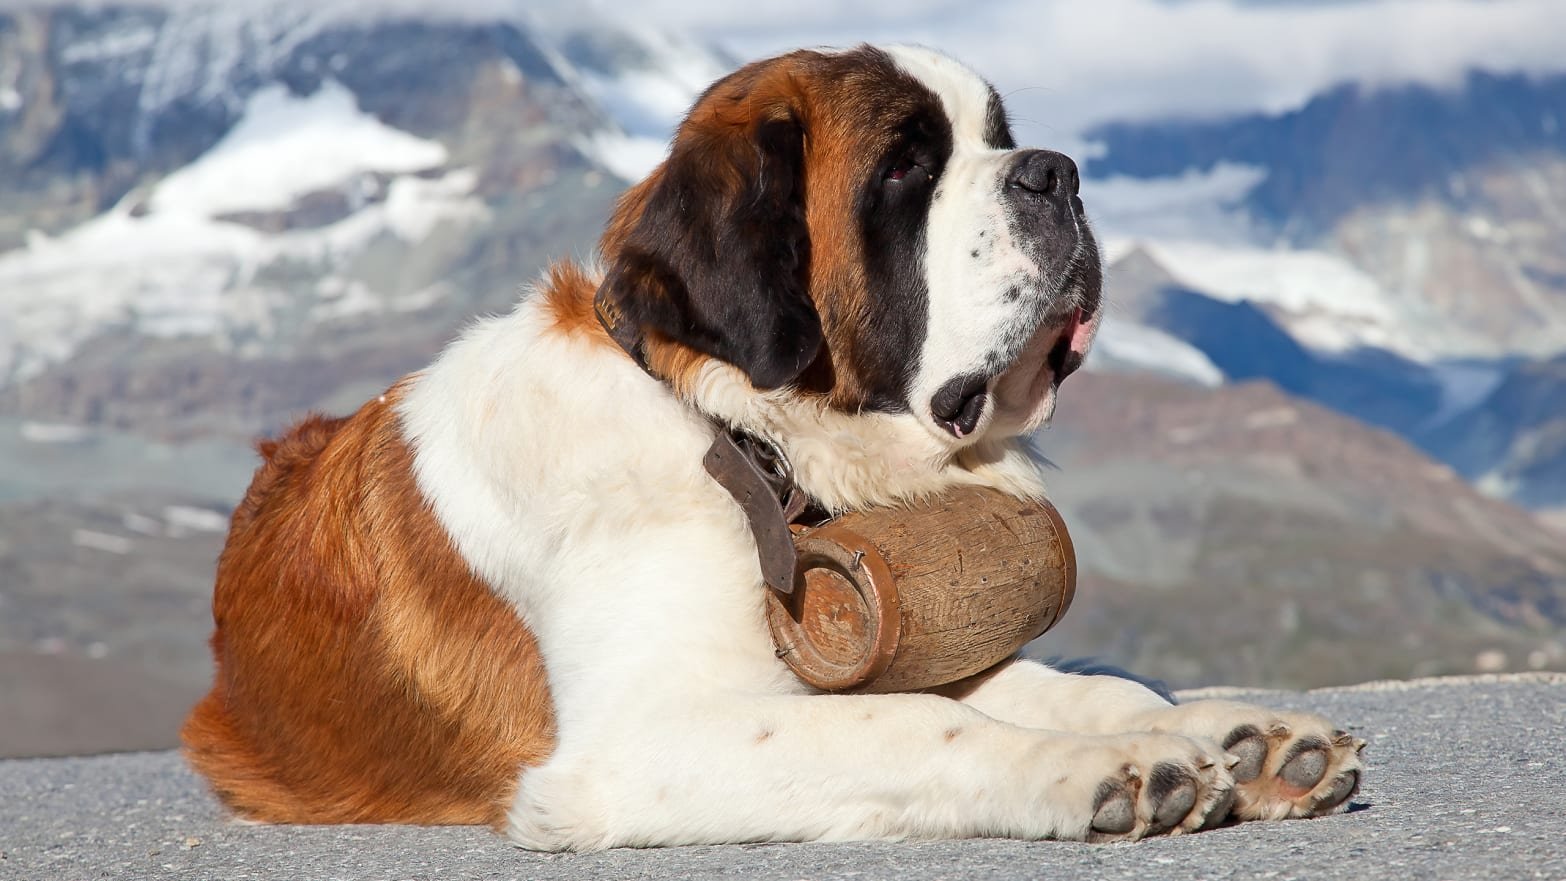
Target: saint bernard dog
x,y
506,592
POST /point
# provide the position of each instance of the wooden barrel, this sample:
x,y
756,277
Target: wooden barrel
x,y
899,599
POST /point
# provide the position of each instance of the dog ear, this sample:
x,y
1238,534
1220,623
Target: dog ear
x,y
718,257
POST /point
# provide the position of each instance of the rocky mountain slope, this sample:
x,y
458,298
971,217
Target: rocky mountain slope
x,y
1447,200
217,218
1392,253
1496,421
1242,535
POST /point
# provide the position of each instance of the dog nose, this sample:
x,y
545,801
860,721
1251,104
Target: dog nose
x,y
1046,173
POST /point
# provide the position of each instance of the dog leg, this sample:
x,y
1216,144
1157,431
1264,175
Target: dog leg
x,y
1290,764
804,768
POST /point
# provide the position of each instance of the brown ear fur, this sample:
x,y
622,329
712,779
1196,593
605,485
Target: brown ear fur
x,y
712,251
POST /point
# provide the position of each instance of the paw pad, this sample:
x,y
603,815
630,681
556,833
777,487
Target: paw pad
x,y
1306,764
1343,786
1313,775
1172,791
1114,808
1246,744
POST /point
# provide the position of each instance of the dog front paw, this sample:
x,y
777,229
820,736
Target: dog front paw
x,y
1138,785
1289,764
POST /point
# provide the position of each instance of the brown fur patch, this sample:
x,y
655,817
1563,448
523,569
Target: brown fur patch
x,y
568,292
363,673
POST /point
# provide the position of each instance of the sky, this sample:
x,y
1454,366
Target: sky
x,y
1065,65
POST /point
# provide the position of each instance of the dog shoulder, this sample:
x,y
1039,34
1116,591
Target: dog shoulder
x,y
535,425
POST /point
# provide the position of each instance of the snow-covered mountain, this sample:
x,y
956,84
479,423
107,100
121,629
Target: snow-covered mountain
x,y
1427,221
1393,253
243,182
1500,421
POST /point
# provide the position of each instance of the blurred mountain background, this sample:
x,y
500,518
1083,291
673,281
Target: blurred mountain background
x,y
1322,438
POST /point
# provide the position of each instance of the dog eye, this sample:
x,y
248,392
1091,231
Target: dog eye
x,y
905,167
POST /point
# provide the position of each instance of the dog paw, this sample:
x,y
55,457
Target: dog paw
x,y
1155,785
1289,764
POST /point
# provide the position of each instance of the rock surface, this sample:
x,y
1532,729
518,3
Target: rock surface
x,y
1463,783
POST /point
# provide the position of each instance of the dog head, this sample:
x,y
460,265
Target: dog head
x,y
861,229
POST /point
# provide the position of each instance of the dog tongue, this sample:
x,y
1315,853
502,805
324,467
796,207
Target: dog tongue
x,y
1072,345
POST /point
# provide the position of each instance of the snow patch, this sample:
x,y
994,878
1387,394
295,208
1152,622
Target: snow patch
x,y
351,298
182,519
141,523
1464,386
101,541
1497,484
1329,304
646,104
54,433
415,206
285,147
1123,345
10,100
627,157
166,267
165,275
116,44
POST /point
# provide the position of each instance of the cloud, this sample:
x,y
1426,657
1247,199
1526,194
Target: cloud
x,y
1067,64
